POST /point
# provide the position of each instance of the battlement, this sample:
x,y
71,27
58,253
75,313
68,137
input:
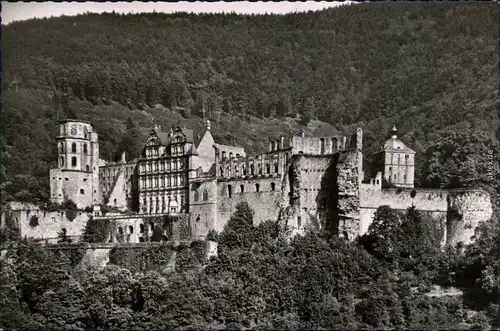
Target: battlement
x,y
262,165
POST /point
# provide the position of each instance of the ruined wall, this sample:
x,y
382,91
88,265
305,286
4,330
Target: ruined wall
x,y
466,209
462,209
372,197
50,224
203,207
265,203
118,195
308,190
347,194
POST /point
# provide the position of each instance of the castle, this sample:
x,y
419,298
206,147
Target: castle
x,y
193,184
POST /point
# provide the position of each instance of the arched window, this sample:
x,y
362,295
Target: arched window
x,y
82,191
244,170
268,168
276,167
85,148
73,161
73,130
252,169
273,186
87,167
242,188
260,169
73,148
114,201
335,145
141,228
322,141
196,196
205,195
131,229
230,155
257,187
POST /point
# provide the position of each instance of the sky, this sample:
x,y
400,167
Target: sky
x,y
25,10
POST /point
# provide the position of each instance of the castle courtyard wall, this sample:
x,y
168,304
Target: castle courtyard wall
x,y
265,203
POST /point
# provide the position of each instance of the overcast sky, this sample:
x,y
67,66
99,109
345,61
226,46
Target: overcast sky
x,y
21,11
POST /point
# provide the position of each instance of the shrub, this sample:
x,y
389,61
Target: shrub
x,y
34,221
212,235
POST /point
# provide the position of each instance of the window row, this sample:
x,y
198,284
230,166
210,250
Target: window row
x,y
74,148
226,170
162,181
74,163
162,166
197,195
162,205
272,187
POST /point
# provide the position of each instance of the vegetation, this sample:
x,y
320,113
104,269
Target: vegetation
x,y
427,68
262,280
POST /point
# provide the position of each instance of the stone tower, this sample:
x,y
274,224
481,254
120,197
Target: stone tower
x,y
396,162
77,174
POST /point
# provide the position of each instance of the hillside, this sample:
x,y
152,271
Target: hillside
x,y
424,67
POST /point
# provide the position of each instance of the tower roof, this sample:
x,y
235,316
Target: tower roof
x,y
395,144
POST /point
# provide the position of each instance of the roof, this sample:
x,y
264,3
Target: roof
x,y
396,144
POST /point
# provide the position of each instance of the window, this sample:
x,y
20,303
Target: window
x,y
196,196
268,168
131,229
242,188
156,182
299,221
407,156
229,190
62,161
260,169
87,167
221,171
257,187
73,130
61,148
141,239
335,145
141,228
205,195
273,186
73,148
85,148
223,155
252,169
73,161
322,147
82,191
162,166
230,155
276,167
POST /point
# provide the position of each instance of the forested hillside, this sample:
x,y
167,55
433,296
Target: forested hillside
x,y
423,67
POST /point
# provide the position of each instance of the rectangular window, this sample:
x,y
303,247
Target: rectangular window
x,y
156,182
162,166
73,161
163,182
174,165
168,165
175,181
169,181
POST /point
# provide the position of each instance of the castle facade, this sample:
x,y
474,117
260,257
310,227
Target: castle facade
x,y
183,185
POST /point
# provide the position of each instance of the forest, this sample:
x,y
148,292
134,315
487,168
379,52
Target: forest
x,y
431,69
391,278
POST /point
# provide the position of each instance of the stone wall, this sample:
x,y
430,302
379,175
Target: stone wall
x,y
463,209
203,207
265,202
50,224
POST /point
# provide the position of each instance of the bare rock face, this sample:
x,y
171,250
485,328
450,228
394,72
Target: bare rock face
x,y
466,209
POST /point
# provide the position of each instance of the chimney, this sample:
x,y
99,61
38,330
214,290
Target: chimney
x,y
282,142
123,158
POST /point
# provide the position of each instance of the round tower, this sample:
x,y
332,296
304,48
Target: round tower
x,y
77,173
